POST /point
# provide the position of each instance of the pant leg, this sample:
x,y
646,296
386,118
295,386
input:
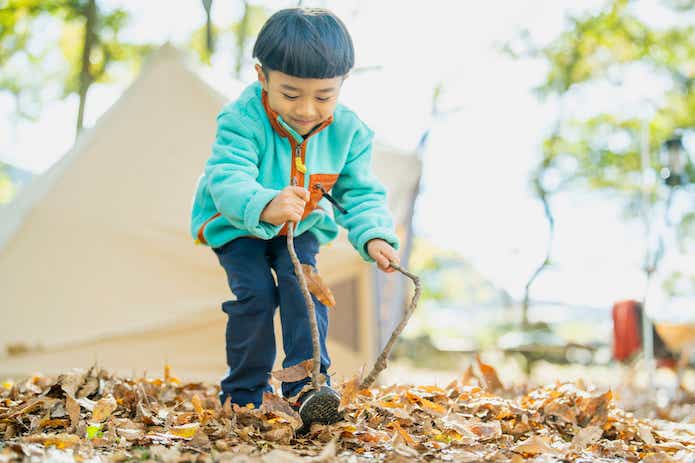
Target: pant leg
x,y
250,338
296,331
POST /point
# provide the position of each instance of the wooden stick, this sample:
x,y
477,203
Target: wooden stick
x,y
381,361
311,309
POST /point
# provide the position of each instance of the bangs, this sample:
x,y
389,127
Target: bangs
x,y
306,43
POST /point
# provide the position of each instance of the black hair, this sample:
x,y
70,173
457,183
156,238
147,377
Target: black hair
x,y
305,42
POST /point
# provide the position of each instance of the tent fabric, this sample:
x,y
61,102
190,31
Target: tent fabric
x,y
98,248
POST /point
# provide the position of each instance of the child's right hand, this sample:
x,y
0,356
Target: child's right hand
x,y
287,206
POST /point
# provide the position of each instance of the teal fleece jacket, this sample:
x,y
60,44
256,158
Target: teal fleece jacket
x,y
256,154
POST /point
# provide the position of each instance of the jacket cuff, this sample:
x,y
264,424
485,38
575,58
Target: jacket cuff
x,y
252,214
385,234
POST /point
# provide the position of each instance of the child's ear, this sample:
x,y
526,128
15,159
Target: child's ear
x,y
261,77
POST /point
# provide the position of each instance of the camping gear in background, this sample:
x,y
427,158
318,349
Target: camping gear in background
x,y
97,263
627,335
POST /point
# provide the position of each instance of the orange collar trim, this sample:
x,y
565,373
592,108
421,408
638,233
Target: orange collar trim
x,y
273,116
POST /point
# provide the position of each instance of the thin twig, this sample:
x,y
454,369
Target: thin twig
x,y
381,361
311,309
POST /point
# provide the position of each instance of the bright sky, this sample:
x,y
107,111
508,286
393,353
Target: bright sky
x,y
475,198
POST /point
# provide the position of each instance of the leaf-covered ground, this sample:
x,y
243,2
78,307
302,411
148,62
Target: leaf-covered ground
x,y
95,416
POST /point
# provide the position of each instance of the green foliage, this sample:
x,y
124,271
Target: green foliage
x,y
21,73
198,43
108,50
603,152
7,189
679,284
241,31
450,279
24,50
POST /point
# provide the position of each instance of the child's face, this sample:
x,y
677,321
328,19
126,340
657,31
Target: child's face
x,y
302,103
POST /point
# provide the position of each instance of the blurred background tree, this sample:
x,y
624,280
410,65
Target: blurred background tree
x,y
211,38
89,43
606,152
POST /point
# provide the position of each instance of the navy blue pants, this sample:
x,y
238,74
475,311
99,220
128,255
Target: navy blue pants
x,y
250,337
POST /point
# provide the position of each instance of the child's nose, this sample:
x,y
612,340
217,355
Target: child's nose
x,y
306,110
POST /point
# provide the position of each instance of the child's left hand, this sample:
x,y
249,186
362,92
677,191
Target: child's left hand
x,y
383,254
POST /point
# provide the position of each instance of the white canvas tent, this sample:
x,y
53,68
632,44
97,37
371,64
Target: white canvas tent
x,y
96,263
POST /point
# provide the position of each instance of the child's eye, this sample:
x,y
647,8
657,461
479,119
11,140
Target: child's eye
x,y
324,99
290,97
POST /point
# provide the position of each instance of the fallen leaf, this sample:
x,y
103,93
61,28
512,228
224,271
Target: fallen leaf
x,y
327,454
295,372
317,287
186,431
273,403
94,430
403,433
73,409
594,410
468,376
60,440
490,379
485,430
646,435
534,445
432,407
586,436
349,392
168,378
103,408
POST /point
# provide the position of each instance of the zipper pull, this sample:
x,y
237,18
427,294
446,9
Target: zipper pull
x,y
299,165
331,199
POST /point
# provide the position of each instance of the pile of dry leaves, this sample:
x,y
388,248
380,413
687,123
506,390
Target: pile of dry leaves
x,y
94,416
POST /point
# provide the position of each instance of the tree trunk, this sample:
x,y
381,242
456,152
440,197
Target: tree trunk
x,y
241,39
86,79
209,42
546,261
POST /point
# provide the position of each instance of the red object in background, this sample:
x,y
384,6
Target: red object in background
x,y
627,329
627,335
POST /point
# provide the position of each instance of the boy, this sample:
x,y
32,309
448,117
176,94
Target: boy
x,y
287,126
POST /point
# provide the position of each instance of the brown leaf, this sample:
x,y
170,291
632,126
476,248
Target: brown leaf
x,y
273,403
71,382
295,372
185,431
432,407
594,410
349,392
403,433
281,433
485,430
103,408
490,378
534,445
73,409
468,376
60,440
317,287
586,436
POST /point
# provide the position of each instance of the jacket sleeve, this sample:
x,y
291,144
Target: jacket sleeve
x,y
231,173
360,192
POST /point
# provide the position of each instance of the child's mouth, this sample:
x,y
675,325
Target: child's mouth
x,y
302,122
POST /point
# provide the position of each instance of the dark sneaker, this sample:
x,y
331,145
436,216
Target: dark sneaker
x,y
319,406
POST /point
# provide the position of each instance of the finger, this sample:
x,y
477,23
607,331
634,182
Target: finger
x,y
301,193
297,202
383,261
